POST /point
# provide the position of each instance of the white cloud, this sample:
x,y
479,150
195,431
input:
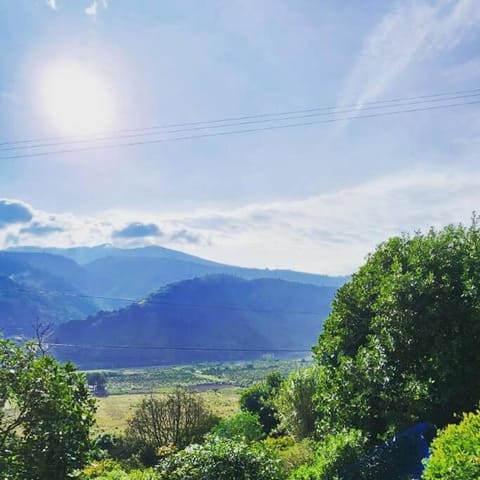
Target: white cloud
x,y
52,4
92,9
415,31
328,233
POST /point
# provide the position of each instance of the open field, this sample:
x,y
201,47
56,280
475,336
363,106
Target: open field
x,y
219,384
114,411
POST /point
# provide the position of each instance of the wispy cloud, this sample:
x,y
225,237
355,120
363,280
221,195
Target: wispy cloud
x,y
92,9
40,229
414,32
52,4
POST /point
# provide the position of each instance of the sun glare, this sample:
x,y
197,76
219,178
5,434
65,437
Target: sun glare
x,y
75,99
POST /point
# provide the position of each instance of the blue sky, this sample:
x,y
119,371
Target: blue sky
x,y
315,198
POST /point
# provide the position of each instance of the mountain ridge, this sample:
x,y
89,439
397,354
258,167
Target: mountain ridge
x,y
212,318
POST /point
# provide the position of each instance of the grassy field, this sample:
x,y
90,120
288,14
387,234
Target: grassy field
x,y
114,410
219,384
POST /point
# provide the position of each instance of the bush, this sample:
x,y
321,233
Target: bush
x,y
243,426
456,451
110,470
293,454
258,399
334,454
222,459
295,403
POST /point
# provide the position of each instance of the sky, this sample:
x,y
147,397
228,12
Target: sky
x,y
314,198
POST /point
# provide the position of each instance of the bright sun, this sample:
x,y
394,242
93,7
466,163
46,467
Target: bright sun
x,y
75,99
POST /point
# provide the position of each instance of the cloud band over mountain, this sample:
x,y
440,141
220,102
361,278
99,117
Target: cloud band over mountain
x,y
328,233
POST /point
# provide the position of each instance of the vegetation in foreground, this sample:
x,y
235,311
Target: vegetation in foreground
x,y
399,349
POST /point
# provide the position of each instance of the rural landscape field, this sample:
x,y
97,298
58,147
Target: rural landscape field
x,y
239,240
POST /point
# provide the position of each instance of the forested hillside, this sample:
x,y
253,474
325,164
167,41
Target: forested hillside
x,y
233,317
106,278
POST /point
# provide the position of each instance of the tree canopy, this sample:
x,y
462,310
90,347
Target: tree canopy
x,y
401,342
45,415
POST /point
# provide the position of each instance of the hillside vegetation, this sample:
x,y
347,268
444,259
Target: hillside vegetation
x,y
205,319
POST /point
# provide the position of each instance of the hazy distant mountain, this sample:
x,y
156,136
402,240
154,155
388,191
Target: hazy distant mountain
x,y
84,255
136,272
73,290
219,311
29,294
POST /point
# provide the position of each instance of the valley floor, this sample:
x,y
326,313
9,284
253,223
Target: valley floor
x,y
219,384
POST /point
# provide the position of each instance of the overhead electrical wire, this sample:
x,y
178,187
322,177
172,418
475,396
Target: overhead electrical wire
x,y
179,348
244,117
240,121
153,301
236,132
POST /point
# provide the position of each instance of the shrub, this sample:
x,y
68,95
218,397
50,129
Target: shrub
x,y
258,399
334,454
456,451
110,470
222,459
295,403
292,453
243,426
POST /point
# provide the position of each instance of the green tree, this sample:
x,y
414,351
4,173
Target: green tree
x,y
295,403
259,400
456,451
45,415
222,459
178,419
401,342
244,426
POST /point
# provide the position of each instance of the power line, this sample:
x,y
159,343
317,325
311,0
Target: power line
x,y
236,132
244,117
178,348
40,293
248,120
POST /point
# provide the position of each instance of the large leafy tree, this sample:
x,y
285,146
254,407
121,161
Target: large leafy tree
x,y
401,343
45,415
176,419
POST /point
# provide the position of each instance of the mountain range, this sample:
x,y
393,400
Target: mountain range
x,y
118,291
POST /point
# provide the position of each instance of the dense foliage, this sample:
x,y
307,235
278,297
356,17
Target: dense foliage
x,y
243,426
332,456
45,415
456,451
401,343
295,403
259,400
222,459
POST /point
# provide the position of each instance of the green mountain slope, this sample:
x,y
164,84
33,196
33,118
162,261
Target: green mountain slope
x,y
226,314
